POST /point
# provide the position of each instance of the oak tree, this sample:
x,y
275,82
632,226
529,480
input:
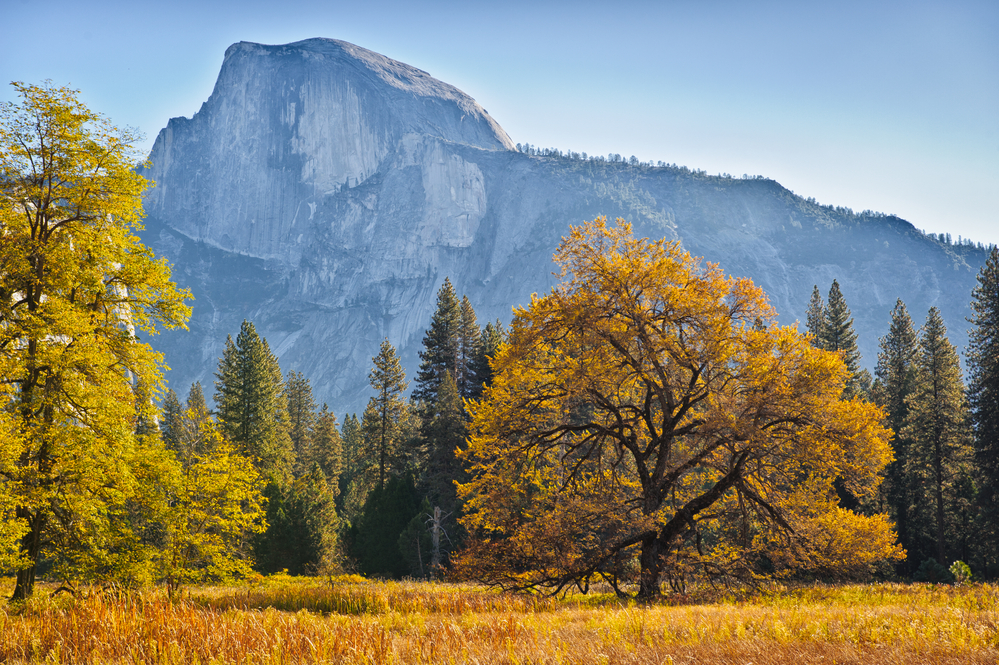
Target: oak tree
x,y
650,410
77,289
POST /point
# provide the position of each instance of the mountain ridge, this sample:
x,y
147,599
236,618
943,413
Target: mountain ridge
x,y
259,213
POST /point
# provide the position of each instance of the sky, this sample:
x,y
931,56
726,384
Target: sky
x,y
886,106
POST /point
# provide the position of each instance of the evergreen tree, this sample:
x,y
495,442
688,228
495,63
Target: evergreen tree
x,y
387,513
249,397
415,542
358,473
327,447
170,422
302,526
301,419
489,342
816,320
441,345
193,425
383,428
184,427
447,430
445,434
196,398
837,335
983,394
896,378
837,329
937,426
469,340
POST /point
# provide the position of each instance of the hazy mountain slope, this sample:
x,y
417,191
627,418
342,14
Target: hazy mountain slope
x,y
324,192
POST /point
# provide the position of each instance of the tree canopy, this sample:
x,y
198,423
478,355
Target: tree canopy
x,y
77,288
650,413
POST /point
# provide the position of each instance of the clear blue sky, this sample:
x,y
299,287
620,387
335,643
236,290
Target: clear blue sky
x,y
889,106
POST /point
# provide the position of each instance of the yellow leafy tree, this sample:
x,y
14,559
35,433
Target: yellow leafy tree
x,y
649,418
76,289
214,505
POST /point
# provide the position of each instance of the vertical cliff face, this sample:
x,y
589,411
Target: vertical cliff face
x,y
324,192
288,126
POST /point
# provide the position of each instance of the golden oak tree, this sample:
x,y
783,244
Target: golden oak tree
x,y
76,288
650,414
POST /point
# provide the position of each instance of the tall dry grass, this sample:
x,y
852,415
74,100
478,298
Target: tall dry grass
x,y
353,621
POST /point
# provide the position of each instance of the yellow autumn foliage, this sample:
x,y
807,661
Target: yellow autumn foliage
x,y
77,289
649,419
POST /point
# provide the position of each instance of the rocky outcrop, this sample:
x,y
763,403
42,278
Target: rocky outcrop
x,y
324,192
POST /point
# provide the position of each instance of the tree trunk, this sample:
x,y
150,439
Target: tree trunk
x,y
652,561
938,473
31,546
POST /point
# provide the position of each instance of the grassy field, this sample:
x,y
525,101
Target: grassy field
x,y
350,620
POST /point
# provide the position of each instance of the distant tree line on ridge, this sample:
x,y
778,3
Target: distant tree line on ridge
x,y
615,158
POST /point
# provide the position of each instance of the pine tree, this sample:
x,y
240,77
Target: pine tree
x,y
327,447
441,345
937,425
489,342
816,320
983,394
469,339
192,425
837,329
170,423
447,431
301,419
302,526
196,398
387,513
251,404
383,428
896,378
445,434
358,474
837,335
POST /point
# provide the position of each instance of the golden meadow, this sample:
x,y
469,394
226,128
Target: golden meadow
x,y
347,619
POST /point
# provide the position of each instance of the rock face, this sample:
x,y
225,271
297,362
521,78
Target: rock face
x,y
324,192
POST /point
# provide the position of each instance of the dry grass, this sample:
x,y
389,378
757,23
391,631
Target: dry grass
x,y
283,620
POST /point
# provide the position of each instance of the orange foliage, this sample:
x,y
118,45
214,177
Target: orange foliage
x,y
650,414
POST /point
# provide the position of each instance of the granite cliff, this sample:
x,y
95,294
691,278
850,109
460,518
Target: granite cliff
x,y
324,192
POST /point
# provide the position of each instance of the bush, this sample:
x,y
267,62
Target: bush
x,y
931,571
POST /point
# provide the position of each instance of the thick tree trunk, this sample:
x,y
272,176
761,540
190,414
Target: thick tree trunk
x,y
31,547
652,561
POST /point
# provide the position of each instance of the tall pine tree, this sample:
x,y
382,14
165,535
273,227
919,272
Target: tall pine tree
x,y
489,342
937,426
983,393
170,421
469,339
301,419
358,473
385,416
327,447
250,402
441,345
895,380
836,334
816,317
